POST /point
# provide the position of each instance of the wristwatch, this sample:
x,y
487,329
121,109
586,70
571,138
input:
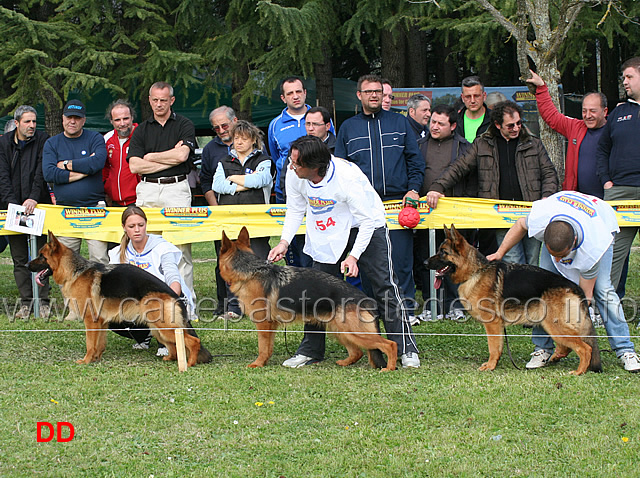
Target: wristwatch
x,y
65,163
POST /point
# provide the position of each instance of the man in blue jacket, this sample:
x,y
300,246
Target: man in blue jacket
x,y
385,148
72,161
618,159
287,126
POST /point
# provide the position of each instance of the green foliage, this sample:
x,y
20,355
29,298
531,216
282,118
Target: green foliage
x,y
52,56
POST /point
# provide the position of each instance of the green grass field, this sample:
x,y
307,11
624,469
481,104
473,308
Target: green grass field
x,y
135,415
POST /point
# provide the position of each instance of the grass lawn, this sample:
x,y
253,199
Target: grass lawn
x,y
135,415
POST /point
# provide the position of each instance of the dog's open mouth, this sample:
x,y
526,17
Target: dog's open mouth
x,y
42,275
440,273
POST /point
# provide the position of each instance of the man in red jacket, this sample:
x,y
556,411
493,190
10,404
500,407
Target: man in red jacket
x,y
583,136
119,182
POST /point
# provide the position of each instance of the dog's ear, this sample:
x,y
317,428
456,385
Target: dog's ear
x,y
456,237
447,233
226,243
243,237
53,241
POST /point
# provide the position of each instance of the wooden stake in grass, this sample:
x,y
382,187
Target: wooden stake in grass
x,y
182,352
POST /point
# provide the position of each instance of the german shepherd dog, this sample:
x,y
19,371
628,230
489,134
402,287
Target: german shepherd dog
x,y
499,294
103,294
272,294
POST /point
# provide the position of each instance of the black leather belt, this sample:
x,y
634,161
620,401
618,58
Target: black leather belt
x,y
166,180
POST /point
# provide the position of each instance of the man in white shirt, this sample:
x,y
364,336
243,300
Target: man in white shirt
x,y
345,222
578,232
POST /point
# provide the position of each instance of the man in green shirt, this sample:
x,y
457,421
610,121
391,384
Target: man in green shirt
x,y
473,119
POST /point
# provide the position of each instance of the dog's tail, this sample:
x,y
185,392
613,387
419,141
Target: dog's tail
x,y
204,356
377,358
591,340
596,363
375,355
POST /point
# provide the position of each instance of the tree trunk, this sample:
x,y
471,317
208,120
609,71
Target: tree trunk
x,y
553,141
145,107
52,114
416,58
445,67
324,80
239,80
392,49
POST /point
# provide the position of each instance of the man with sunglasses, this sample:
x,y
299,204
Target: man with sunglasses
x,y
222,120
511,165
384,147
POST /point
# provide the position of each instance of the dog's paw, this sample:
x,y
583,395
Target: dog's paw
x,y
486,366
555,357
255,365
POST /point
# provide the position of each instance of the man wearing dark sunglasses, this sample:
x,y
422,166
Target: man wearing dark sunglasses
x,y
384,147
511,165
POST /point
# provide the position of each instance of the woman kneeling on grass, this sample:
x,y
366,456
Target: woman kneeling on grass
x,y
244,177
158,257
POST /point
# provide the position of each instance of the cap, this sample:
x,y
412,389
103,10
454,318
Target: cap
x,y
74,108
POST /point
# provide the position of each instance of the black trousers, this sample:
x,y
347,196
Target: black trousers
x,y
19,245
376,265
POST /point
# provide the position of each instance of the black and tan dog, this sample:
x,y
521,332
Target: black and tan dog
x,y
498,294
272,294
102,294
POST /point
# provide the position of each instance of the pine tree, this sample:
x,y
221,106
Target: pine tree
x,y
46,56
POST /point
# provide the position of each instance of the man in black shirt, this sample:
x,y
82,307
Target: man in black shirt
x,y
159,151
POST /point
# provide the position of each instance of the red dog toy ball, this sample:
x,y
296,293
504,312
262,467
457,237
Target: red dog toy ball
x,y
409,217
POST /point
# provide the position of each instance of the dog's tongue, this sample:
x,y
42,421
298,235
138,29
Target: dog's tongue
x,y
39,277
437,282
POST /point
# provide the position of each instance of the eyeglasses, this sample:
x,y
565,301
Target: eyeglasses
x,y
511,126
294,166
315,125
391,97
224,126
371,92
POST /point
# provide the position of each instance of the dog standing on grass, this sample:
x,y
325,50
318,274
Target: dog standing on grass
x,y
102,294
498,294
272,294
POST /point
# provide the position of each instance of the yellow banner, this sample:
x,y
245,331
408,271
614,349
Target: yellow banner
x,y
181,225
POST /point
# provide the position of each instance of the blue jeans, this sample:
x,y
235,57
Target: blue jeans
x,y
607,301
527,251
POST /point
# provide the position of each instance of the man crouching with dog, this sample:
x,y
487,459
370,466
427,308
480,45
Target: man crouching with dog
x,y
578,231
346,231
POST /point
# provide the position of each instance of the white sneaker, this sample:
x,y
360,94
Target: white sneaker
x,y
143,346
539,358
298,361
630,361
162,352
455,314
410,360
414,319
596,319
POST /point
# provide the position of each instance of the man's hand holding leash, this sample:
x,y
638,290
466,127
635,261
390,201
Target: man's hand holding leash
x,y
278,252
349,266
